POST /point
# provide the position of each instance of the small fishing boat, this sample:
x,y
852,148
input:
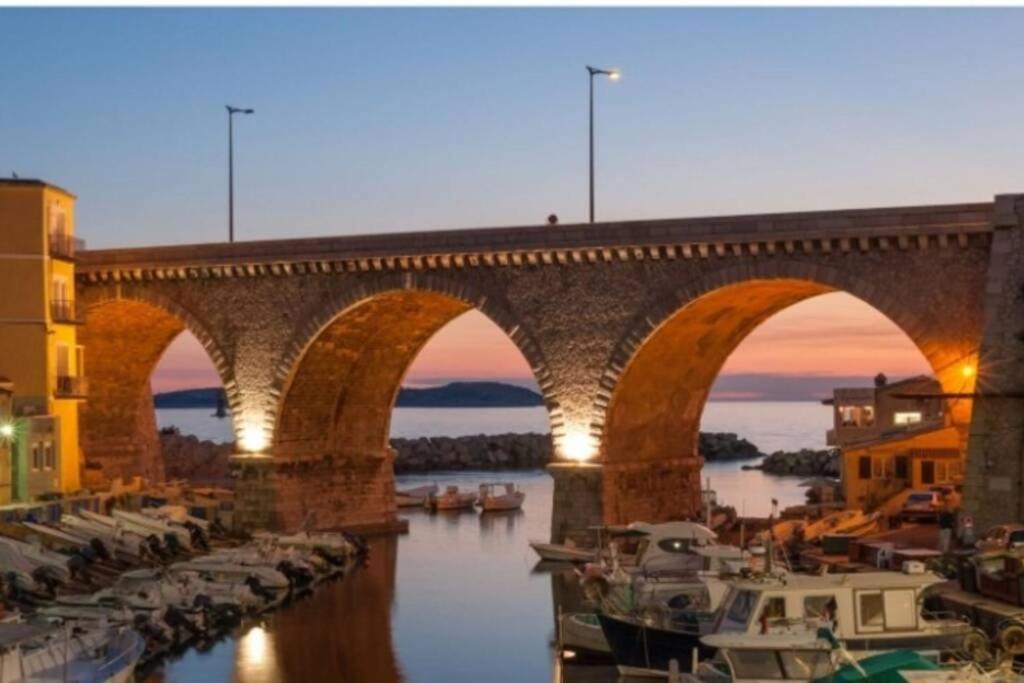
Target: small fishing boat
x,y
415,497
452,499
563,552
495,499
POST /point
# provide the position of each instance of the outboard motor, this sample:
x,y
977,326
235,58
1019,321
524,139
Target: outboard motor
x,y
100,548
218,529
154,547
177,620
258,589
332,558
298,577
172,544
197,535
77,565
45,578
155,636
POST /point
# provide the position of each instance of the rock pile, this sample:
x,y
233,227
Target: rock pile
x,y
718,446
480,452
805,462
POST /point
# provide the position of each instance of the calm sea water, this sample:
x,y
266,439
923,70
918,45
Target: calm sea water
x,y
458,598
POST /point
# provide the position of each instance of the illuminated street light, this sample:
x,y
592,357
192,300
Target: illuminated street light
x,y
231,167
967,371
613,75
6,430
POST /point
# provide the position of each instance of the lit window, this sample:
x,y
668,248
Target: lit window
x,y
870,611
906,418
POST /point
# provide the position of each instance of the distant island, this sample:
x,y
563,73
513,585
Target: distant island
x,y
452,395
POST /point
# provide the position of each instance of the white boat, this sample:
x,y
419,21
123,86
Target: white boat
x,y
56,565
415,497
162,529
494,499
452,499
175,514
233,572
43,653
120,540
563,552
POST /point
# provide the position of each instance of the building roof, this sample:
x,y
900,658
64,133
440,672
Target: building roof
x,y
857,393
34,182
898,434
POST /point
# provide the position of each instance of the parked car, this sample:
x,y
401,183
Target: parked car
x,y
1002,537
922,505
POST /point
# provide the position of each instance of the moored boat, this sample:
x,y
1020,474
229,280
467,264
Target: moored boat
x,y
452,499
415,497
495,499
563,552
868,612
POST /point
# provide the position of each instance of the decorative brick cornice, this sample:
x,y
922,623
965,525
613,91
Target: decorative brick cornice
x,y
757,236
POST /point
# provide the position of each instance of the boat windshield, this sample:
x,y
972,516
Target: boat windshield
x,y
738,610
783,664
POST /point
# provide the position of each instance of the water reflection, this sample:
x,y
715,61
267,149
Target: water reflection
x,y
462,597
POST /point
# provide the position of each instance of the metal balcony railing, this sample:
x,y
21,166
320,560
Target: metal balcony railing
x,y
63,311
62,245
69,386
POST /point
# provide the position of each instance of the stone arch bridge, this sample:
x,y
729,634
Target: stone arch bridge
x,y
625,326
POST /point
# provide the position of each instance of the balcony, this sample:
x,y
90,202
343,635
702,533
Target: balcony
x,y
63,311
69,386
62,246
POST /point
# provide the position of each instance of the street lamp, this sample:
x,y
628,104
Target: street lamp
x,y
613,75
231,167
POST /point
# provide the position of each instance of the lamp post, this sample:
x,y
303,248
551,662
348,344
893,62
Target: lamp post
x,y
231,167
613,75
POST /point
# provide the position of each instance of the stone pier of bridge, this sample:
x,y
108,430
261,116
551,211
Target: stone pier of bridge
x,y
624,325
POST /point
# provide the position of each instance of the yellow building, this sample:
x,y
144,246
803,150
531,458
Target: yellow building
x,y
876,469
39,352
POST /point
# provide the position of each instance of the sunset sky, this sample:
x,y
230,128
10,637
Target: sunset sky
x,y
405,119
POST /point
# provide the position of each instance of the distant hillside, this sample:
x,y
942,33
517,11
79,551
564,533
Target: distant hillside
x,y
469,395
453,395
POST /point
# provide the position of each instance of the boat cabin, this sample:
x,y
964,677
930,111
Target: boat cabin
x,y
854,606
775,658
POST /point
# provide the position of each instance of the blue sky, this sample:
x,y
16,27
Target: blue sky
x,y
374,120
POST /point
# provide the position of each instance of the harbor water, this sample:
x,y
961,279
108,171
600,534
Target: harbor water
x,y
459,598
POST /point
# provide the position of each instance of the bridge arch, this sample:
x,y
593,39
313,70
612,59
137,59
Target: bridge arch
x,y
338,381
125,335
656,384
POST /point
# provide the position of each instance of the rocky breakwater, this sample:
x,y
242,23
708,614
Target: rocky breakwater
x,y
803,463
479,452
186,457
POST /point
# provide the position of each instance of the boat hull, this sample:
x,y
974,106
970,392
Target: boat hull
x,y
552,552
582,634
646,651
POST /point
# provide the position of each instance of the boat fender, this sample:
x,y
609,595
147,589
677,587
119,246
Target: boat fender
x,y
1011,639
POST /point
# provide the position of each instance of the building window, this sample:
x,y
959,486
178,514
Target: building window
x,y
864,467
927,472
902,467
49,457
906,418
877,469
856,416
37,456
870,611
